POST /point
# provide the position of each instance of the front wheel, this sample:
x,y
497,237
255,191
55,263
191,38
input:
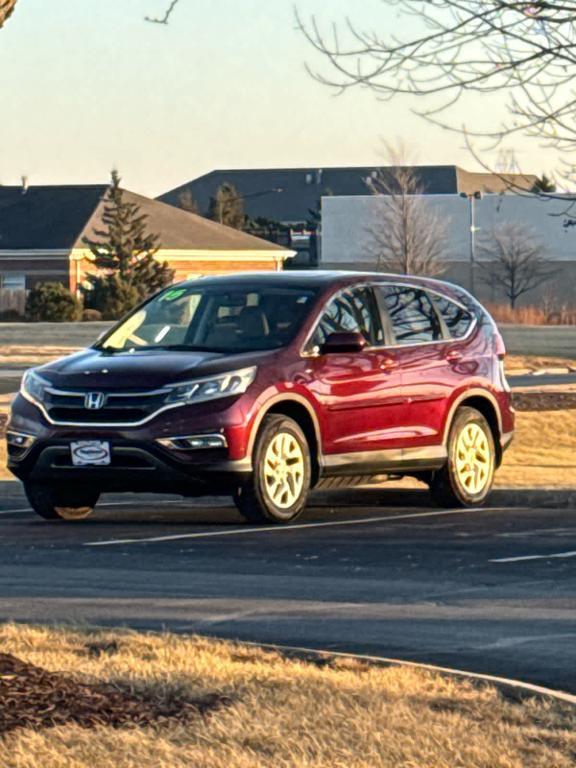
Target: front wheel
x,y
468,476
56,503
280,482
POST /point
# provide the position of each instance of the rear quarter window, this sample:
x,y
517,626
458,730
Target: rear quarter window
x,y
457,319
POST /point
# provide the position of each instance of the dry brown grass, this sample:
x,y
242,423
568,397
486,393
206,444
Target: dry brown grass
x,y
31,354
543,453
534,362
555,315
285,713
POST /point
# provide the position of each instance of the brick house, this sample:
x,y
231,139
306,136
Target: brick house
x,y
42,227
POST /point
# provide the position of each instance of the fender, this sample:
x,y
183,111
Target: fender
x,y
469,393
291,397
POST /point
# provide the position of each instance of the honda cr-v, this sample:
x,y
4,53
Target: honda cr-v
x,y
264,386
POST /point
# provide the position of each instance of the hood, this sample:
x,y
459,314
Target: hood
x,y
148,369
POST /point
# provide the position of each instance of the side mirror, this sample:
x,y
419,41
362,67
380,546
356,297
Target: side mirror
x,y
342,343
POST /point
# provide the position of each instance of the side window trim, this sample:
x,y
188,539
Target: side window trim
x,y
431,293
448,336
385,321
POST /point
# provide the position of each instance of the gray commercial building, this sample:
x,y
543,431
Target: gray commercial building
x,y
349,223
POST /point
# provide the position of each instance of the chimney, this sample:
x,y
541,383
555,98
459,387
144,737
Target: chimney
x,y
24,184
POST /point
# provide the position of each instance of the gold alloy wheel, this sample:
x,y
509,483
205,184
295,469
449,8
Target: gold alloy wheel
x,y
473,459
73,513
284,470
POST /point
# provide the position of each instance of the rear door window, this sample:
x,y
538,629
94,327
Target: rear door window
x,y
353,311
456,319
412,315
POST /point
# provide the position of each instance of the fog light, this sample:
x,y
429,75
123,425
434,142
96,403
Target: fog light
x,y
20,439
193,442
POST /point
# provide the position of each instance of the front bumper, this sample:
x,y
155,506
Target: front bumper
x,y
139,461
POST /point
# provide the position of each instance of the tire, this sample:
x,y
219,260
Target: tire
x,y
466,480
277,494
55,503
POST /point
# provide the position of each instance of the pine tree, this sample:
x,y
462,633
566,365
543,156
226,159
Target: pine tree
x,y
227,207
124,254
543,184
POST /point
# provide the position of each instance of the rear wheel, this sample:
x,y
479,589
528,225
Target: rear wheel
x,y
57,503
468,476
280,482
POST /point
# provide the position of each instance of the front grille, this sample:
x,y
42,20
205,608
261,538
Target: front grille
x,y
119,407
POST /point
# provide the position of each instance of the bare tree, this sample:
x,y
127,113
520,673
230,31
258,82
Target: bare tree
x,y
516,261
406,236
6,10
524,49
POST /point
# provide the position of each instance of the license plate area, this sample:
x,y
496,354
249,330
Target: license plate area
x,y
90,453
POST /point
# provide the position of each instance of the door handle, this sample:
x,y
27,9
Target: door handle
x,y
454,356
388,364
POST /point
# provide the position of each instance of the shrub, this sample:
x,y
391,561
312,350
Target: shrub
x,y
11,316
52,303
91,316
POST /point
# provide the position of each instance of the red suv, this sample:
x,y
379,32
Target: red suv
x,y
264,386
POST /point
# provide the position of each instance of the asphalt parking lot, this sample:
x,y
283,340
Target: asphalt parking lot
x,y
490,590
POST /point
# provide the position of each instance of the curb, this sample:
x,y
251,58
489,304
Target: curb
x,y
501,682
534,497
379,495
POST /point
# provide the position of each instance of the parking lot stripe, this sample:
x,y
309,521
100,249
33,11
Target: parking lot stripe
x,y
14,511
524,558
278,529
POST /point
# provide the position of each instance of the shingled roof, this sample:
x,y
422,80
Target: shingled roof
x,y
288,194
46,218
58,217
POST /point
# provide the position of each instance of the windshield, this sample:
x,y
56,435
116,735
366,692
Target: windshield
x,y
216,319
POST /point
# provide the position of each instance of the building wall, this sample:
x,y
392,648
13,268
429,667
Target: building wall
x,y
189,264
347,224
20,271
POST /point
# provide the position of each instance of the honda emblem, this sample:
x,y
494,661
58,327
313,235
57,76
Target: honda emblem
x,y
94,401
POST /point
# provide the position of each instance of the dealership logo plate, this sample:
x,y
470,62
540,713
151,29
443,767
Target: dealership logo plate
x,y
93,453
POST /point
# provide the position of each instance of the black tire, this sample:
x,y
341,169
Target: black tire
x,y
447,487
254,500
57,503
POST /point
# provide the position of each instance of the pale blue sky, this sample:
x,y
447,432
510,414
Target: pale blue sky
x,y
87,85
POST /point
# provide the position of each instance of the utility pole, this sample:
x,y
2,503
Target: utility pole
x,y
472,197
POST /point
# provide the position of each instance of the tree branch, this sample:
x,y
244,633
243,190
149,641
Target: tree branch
x,y
6,10
163,19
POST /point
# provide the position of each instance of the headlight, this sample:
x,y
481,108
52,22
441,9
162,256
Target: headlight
x,y
224,385
34,386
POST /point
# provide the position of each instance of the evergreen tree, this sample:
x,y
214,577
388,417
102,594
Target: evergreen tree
x,y
123,253
543,184
227,207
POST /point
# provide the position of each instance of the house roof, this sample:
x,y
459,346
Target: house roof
x,y
47,218
181,230
288,194
58,217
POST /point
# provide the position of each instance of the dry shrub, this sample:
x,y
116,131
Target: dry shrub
x,y
548,314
